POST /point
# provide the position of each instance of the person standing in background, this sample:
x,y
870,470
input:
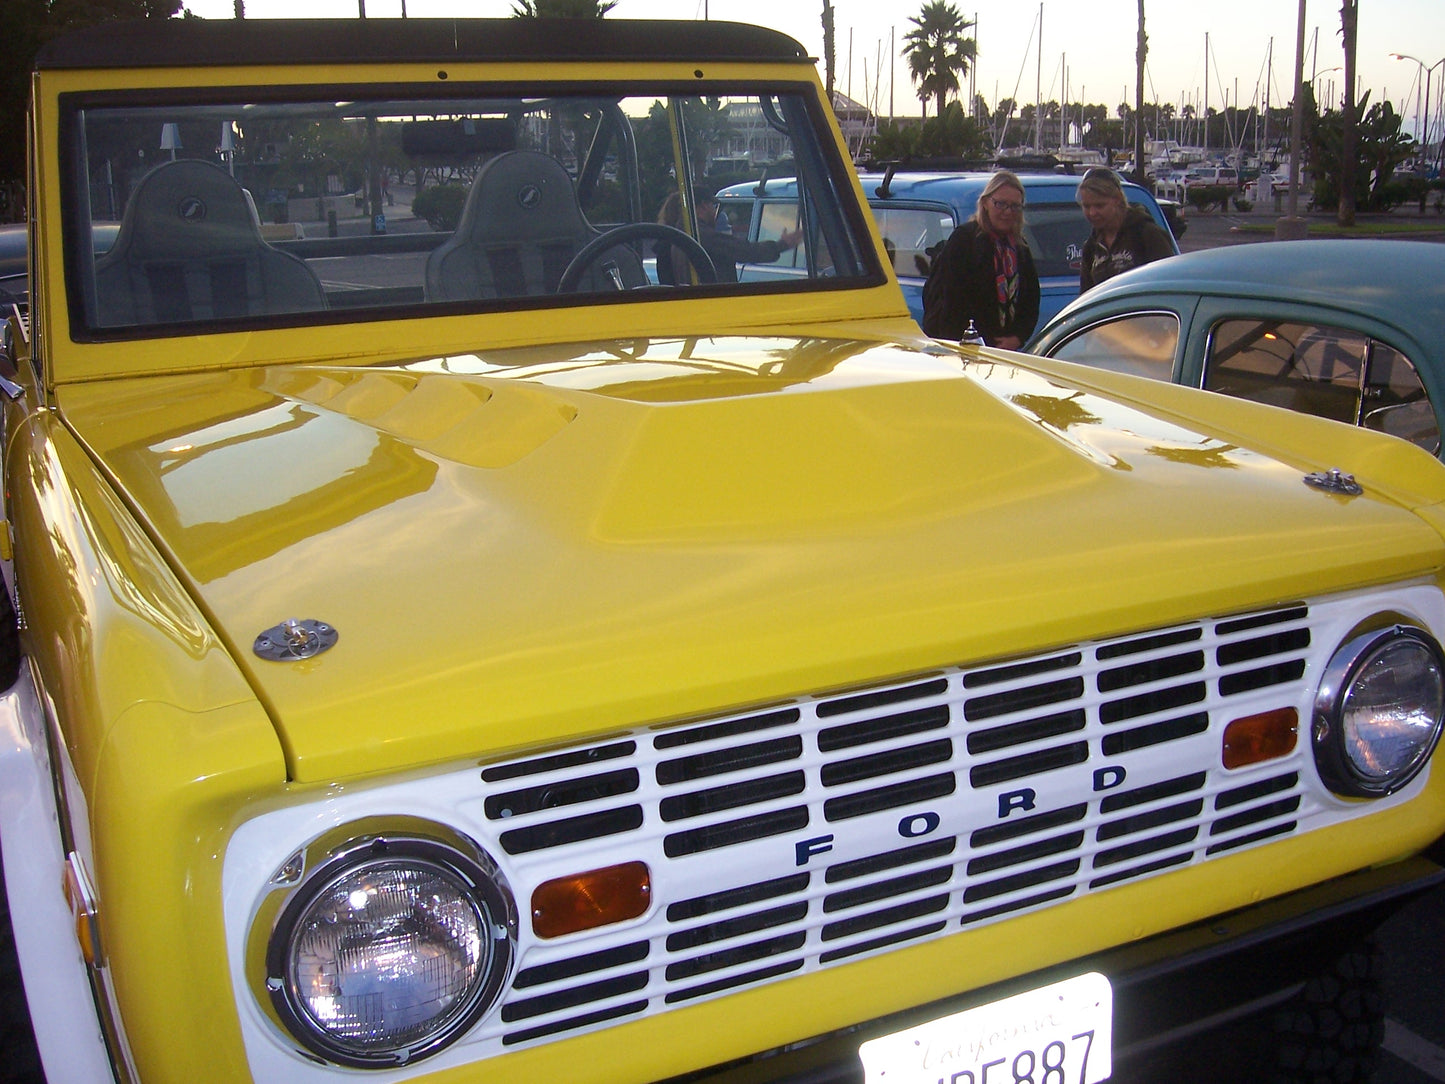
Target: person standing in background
x,y
1124,234
985,273
716,236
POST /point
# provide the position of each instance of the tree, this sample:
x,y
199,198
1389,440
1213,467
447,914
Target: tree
x,y
25,25
562,9
1380,146
828,47
952,135
938,53
22,28
709,131
1349,24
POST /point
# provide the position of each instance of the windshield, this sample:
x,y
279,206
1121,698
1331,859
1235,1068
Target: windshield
x,y
265,210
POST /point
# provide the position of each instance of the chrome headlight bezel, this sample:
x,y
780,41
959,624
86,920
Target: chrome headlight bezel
x,y
1335,739
476,881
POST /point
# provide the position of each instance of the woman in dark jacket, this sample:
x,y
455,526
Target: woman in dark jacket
x,y
985,273
1124,234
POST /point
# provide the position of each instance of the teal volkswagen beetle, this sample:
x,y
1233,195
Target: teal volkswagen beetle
x,y
1344,329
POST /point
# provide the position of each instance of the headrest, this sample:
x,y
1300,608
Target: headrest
x,y
521,196
188,209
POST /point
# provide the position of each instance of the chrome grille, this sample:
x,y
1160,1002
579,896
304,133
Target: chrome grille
x,y
834,827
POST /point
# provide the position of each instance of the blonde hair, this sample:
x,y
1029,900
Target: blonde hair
x,y
671,212
1103,183
1001,179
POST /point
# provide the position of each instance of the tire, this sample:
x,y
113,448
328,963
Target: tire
x,y
9,640
19,1057
1331,1031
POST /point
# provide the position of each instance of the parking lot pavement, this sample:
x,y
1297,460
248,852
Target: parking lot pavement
x,y
1215,228
1414,993
1414,1003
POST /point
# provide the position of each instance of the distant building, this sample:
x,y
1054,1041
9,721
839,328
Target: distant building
x,y
859,123
755,143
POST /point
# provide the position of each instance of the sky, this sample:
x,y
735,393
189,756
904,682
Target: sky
x,y
1089,43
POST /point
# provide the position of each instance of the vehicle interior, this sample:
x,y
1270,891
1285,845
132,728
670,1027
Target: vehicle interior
x,y
1326,371
330,205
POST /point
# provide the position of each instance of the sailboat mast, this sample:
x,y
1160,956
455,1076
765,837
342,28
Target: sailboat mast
x,y
1206,96
1039,86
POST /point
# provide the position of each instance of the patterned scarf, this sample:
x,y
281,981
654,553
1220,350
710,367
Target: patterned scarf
x,y
1005,277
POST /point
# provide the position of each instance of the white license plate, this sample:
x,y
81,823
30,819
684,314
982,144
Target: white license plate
x,y
1059,1034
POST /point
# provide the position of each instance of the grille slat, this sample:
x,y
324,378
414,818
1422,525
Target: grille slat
x,y
881,890
904,912
888,763
731,833
744,954
874,944
677,807
894,796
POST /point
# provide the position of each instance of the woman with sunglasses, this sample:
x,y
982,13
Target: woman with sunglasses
x,y
985,273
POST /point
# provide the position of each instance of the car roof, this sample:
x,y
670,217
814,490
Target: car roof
x,y
171,43
957,189
1399,282
961,189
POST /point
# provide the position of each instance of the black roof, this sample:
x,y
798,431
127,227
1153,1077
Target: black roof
x,y
168,43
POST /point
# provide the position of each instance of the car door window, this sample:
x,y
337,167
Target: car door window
x,y
780,218
1142,345
1306,367
738,213
1056,233
1396,401
909,233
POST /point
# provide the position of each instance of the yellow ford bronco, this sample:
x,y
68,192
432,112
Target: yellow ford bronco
x,y
477,619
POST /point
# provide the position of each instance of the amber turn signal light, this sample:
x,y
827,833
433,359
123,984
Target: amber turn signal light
x,y
584,901
80,898
1265,736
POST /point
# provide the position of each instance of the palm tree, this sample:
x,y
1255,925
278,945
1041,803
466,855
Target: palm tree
x,y
828,48
563,9
1141,52
937,51
1349,24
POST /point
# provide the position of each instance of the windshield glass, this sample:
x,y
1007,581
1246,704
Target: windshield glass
x,y
261,210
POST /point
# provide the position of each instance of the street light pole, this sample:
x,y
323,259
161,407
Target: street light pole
x,y
1328,83
1425,75
1292,227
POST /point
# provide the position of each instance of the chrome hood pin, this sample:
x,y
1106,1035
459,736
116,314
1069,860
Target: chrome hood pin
x,y
295,639
1335,480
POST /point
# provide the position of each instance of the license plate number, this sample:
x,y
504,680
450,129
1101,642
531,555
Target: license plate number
x,y
1059,1034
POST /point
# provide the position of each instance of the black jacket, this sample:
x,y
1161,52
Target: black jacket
x,y
726,251
1140,240
961,287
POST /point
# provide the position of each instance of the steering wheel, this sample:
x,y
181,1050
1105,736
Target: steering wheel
x,y
587,255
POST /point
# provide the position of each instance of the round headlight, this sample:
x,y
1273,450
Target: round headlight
x,y
1379,711
388,953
